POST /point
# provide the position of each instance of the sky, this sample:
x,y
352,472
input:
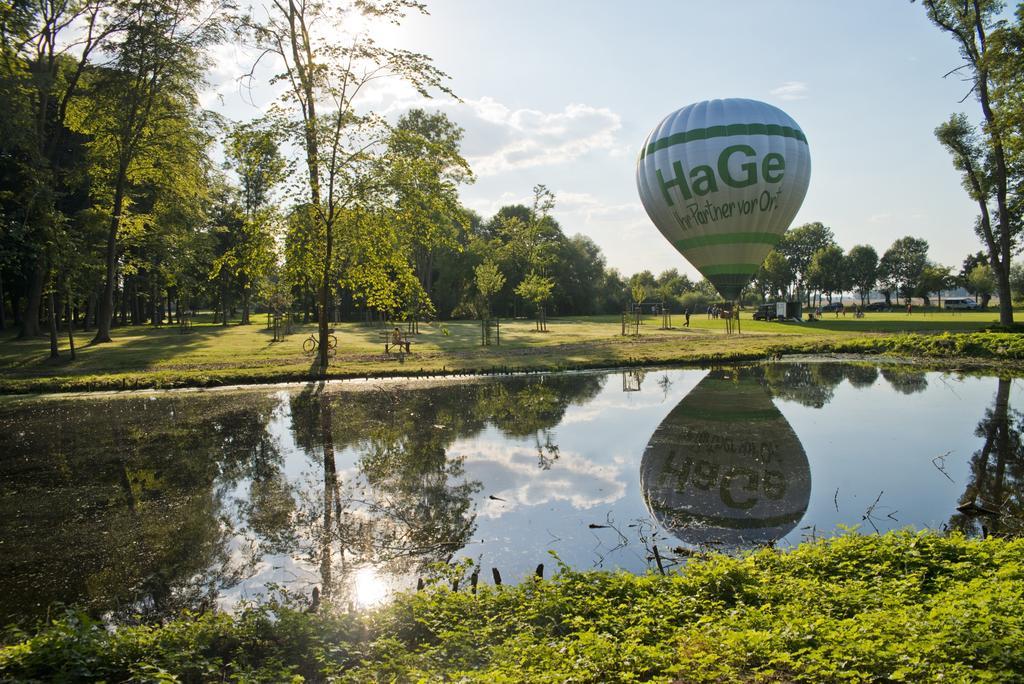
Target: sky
x,y
563,93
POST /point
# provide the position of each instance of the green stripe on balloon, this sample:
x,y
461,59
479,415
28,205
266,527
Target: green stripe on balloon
x,y
722,132
724,415
728,239
731,281
677,516
745,270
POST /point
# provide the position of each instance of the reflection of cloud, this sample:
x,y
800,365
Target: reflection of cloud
x,y
791,90
510,472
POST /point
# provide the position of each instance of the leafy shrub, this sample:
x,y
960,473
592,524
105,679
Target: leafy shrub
x,y
903,606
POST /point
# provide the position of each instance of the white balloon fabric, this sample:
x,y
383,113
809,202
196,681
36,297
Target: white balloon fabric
x,y
722,180
725,466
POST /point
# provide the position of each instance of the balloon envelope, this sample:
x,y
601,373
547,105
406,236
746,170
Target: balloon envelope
x,y
722,180
725,467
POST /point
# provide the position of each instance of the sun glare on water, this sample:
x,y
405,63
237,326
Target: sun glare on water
x,y
369,588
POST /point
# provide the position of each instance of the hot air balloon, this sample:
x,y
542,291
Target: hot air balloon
x,y
725,468
722,180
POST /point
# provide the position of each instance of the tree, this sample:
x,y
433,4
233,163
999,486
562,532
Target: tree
x,y
46,55
489,281
982,282
934,278
638,290
537,289
155,69
902,265
775,275
862,268
827,271
326,69
799,245
992,64
426,178
968,264
252,152
1017,280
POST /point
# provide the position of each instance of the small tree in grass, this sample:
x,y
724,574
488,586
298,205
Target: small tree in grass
x,y
536,289
639,292
982,281
489,281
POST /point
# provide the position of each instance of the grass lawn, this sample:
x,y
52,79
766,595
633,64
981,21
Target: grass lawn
x,y
211,354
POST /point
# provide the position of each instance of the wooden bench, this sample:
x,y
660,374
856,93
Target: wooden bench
x,y
404,343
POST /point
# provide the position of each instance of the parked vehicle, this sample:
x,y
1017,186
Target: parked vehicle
x,y
877,306
778,311
832,308
961,303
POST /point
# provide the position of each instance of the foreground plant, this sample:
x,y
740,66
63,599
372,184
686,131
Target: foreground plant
x,y
898,607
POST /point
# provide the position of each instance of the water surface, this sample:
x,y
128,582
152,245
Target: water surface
x,y
147,503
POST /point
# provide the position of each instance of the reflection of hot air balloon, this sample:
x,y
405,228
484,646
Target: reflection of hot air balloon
x,y
725,467
722,180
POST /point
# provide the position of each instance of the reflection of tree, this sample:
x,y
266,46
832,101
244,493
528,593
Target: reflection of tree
x,y
810,384
997,472
905,380
860,375
408,503
149,505
121,506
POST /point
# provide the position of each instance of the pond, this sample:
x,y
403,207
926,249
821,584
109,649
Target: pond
x,y
146,503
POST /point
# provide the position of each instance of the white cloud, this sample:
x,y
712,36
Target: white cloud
x,y
499,138
512,475
526,138
791,90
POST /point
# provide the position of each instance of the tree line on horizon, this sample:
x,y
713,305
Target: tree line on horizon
x,y
116,209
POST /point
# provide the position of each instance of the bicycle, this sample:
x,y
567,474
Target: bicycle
x,y
311,343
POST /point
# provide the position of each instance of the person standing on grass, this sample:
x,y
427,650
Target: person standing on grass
x,y
909,307
687,314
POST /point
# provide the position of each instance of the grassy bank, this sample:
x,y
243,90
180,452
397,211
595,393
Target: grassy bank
x,y
898,607
212,355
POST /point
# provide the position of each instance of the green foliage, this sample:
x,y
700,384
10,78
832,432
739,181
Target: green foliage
x,y
535,288
862,268
981,280
800,244
489,281
898,607
981,345
775,275
827,270
902,265
638,290
988,156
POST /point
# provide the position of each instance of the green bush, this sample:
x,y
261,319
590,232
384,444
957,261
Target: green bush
x,y
898,607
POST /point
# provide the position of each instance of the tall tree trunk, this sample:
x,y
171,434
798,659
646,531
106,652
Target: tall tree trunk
x,y
105,311
154,305
330,491
223,305
71,326
90,312
245,306
30,315
52,304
